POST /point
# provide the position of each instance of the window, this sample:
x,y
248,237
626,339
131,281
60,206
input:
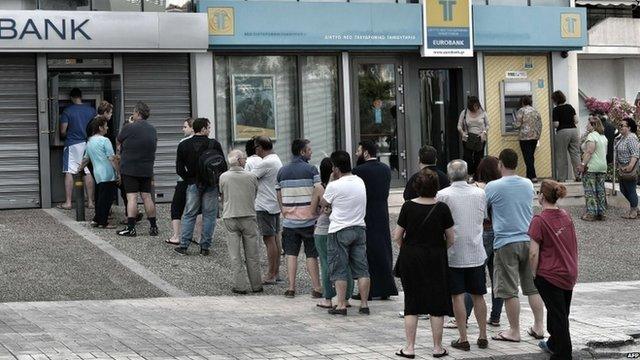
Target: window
x,y
596,14
260,95
65,5
116,5
256,95
167,5
320,104
18,5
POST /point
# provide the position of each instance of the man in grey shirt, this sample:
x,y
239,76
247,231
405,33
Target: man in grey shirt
x,y
267,207
239,188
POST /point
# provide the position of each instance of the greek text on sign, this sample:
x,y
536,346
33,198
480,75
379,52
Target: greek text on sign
x,y
447,28
516,75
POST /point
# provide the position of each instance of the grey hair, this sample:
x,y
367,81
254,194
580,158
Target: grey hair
x,y
234,157
142,109
457,170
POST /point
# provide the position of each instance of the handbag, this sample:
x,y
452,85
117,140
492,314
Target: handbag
x,y
474,141
396,270
628,176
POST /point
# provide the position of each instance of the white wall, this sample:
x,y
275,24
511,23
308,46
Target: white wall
x,y
602,79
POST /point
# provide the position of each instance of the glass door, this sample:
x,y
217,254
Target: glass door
x,y
439,109
380,112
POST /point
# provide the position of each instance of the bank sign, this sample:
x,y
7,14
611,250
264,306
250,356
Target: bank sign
x,y
447,28
52,31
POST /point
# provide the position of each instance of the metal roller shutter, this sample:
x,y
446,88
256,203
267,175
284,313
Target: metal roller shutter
x,y
19,169
161,81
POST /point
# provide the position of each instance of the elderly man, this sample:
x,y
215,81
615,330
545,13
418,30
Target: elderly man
x,y
467,255
238,189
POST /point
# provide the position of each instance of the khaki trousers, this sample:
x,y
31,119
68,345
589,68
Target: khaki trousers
x,y
566,141
243,235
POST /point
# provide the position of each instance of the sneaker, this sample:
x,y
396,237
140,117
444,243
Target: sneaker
x,y
180,250
544,347
127,232
204,252
153,231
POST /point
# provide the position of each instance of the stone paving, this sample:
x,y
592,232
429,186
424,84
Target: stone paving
x,y
273,327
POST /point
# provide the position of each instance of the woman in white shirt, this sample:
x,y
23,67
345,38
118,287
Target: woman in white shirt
x,y
473,125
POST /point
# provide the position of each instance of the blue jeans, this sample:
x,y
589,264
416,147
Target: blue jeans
x,y
206,199
628,189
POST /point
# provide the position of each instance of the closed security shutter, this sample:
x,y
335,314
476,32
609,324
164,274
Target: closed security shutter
x,y
162,82
19,169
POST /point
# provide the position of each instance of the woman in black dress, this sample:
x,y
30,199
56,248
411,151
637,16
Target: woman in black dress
x,y
424,233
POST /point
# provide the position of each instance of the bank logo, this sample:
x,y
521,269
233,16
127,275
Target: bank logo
x,y
447,9
221,21
570,25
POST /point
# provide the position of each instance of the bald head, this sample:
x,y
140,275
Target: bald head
x,y
457,170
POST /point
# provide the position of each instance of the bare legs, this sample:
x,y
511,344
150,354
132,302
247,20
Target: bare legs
x,y
341,292
273,257
512,306
314,274
68,190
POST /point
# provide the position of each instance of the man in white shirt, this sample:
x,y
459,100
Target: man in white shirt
x,y
346,195
467,255
267,207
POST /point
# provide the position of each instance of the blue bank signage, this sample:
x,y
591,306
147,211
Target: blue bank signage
x,y
531,27
101,31
261,23
447,28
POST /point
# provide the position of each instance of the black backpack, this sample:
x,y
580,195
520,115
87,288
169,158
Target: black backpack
x,y
211,164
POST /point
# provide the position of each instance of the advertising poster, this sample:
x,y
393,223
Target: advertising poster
x,y
447,28
254,106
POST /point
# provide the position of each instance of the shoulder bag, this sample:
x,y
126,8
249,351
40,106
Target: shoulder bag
x,y
396,270
629,176
474,141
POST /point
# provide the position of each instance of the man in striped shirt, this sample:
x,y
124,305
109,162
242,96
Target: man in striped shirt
x,y
295,184
467,255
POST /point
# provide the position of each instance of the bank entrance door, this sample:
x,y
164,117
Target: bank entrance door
x,y
95,88
440,104
379,111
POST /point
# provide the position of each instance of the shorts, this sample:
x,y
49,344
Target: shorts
x,y
292,239
510,264
136,184
179,200
72,157
347,251
268,224
467,280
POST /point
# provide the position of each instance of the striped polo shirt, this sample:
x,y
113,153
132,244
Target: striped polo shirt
x,y
295,183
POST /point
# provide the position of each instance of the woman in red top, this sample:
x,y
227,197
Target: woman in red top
x,y
553,256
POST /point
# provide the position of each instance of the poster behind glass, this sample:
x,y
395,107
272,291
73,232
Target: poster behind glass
x,y
253,106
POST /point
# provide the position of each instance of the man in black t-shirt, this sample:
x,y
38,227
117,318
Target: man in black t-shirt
x,y
428,159
200,197
137,142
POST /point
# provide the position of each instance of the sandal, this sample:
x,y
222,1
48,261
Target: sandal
x,y
501,337
442,354
534,334
630,215
61,206
290,294
407,356
588,217
168,241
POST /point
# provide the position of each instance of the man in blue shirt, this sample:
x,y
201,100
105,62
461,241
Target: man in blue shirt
x,y
510,202
73,128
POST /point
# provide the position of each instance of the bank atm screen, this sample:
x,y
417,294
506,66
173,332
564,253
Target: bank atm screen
x,y
511,91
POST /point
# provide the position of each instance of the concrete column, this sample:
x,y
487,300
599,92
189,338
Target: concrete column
x,y
202,94
346,101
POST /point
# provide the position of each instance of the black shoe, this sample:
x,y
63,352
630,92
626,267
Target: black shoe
x,y
464,346
180,250
139,217
153,231
336,311
127,232
240,292
364,311
257,291
204,252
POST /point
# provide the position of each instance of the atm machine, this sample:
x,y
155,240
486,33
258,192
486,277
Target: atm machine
x,y
510,93
95,88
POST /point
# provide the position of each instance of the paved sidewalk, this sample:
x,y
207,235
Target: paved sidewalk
x,y
272,327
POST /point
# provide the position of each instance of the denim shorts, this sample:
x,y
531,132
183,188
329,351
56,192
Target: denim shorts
x,y
347,250
293,238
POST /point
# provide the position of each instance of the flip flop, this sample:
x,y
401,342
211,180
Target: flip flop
x,y
61,206
534,334
500,337
324,306
442,354
407,356
168,241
